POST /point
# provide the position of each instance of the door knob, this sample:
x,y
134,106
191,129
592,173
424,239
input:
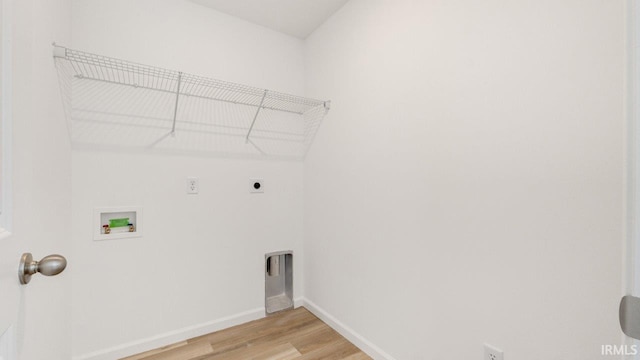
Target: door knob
x,y
50,265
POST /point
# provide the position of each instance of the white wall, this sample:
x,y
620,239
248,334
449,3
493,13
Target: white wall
x,y
465,188
201,257
467,184
41,175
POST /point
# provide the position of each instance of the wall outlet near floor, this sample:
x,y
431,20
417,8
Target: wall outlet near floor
x,y
492,353
192,185
256,186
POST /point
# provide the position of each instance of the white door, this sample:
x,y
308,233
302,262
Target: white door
x,y
9,254
34,153
632,273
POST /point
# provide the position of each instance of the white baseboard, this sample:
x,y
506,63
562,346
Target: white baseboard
x,y
359,341
175,336
189,332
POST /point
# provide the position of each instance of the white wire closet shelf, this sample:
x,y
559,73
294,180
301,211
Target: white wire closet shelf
x,y
113,103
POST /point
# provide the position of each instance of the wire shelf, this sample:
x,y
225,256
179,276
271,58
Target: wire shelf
x,y
117,103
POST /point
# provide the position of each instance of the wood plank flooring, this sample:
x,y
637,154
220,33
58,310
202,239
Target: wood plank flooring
x,y
294,334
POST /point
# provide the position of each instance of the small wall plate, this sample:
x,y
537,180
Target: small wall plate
x,y
256,186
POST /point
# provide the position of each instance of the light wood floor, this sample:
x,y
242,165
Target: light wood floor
x,y
294,334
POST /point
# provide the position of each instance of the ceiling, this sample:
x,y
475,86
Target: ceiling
x,y
294,17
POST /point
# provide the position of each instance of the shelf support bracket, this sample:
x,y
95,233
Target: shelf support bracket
x,y
246,140
175,110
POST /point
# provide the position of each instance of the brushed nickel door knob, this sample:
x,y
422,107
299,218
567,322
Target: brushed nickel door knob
x,y
49,266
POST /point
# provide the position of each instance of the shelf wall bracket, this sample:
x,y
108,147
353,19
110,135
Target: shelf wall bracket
x,y
59,51
175,110
255,117
327,107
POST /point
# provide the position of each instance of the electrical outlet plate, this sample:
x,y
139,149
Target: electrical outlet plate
x,y
492,353
192,185
256,186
